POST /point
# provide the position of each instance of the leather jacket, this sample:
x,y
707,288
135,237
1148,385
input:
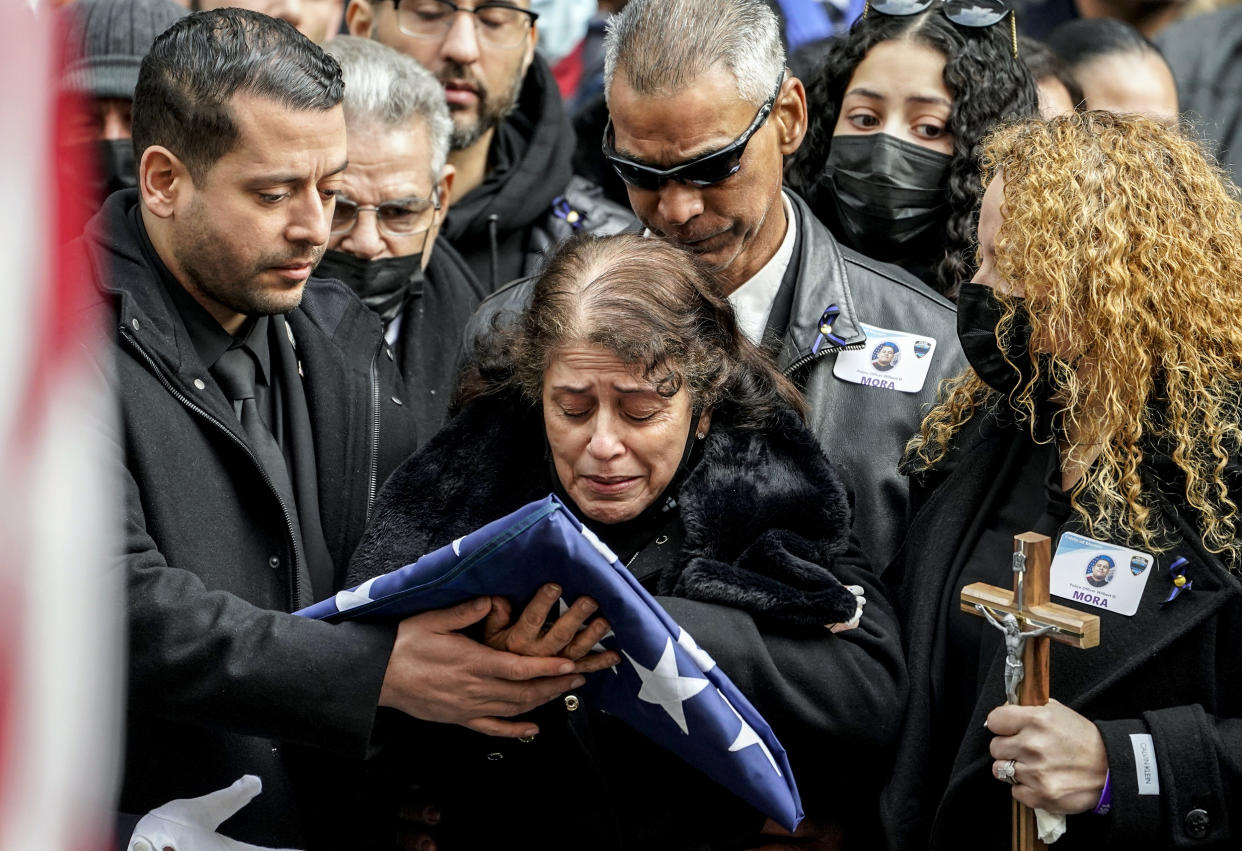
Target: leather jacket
x,y
863,429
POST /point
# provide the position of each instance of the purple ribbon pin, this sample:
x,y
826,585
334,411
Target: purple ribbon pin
x,y
828,317
1177,572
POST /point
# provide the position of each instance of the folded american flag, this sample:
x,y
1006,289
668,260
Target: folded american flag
x,y
666,686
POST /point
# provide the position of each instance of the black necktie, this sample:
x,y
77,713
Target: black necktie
x,y
234,371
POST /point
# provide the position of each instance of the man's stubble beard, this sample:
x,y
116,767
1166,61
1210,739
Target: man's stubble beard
x,y
492,111
199,257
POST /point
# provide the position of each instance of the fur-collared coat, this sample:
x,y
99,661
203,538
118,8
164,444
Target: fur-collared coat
x,y
763,552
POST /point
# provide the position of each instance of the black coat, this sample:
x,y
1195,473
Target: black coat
x,y
1174,672
429,339
764,550
222,681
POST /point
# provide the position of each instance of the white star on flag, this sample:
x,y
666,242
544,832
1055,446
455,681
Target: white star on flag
x,y
747,737
700,656
346,600
663,685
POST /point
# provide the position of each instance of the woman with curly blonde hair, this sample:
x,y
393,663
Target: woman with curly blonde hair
x,y
1102,408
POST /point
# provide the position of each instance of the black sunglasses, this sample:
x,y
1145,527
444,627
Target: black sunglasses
x,y
964,13
705,170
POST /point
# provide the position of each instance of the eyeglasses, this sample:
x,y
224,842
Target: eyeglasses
x,y
966,13
398,218
705,170
498,24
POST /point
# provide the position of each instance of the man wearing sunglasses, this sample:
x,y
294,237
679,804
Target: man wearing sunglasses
x,y
703,115
385,233
512,144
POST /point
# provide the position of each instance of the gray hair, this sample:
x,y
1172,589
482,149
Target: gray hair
x,y
665,45
385,88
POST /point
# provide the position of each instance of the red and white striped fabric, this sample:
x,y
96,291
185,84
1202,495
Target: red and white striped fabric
x,y
60,603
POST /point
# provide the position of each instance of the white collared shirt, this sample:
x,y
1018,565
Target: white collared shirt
x,y
752,301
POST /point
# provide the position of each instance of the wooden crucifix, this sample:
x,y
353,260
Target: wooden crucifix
x,y
1030,623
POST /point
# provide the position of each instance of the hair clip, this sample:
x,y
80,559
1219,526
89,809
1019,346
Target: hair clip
x,y
1177,571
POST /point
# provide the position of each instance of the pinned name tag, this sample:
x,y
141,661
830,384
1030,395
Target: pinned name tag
x,y
1099,574
889,360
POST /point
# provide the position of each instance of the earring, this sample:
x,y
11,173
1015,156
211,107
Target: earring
x,y
700,435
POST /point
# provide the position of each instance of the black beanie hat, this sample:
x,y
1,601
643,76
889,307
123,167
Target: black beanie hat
x,y
107,40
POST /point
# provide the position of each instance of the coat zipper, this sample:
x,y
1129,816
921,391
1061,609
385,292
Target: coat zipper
x,y
188,403
823,352
375,432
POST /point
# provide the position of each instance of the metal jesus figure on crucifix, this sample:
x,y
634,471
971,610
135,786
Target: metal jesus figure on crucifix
x,y
1015,642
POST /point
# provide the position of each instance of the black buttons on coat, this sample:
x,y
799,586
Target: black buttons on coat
x,y
1197,823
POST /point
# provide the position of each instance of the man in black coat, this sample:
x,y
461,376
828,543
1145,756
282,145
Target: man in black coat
x,y
512,142
258,419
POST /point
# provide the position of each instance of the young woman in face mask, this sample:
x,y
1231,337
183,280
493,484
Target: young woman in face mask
x,y
890,161
1102,408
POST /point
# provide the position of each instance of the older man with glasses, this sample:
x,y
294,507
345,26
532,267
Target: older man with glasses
x,y
385,233
512,144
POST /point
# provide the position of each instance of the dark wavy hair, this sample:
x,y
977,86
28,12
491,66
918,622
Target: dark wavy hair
x,y
198,65
658,309
989,86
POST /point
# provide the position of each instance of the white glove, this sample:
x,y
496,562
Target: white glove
x,y
189,824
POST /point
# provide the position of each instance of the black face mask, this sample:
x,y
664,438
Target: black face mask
x,y
889,195
383,285
101,166
115,158
978,313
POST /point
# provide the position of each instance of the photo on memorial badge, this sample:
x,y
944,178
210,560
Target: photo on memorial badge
x,y
885,356
1100,571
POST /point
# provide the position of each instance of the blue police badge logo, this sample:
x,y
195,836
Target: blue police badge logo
x,y
1100,571
921,347
885,356
1137,565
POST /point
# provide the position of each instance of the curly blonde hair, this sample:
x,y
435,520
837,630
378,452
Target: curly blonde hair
x,y
1128,243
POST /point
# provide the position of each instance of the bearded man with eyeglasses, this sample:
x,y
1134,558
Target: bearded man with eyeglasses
x,y
512,143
